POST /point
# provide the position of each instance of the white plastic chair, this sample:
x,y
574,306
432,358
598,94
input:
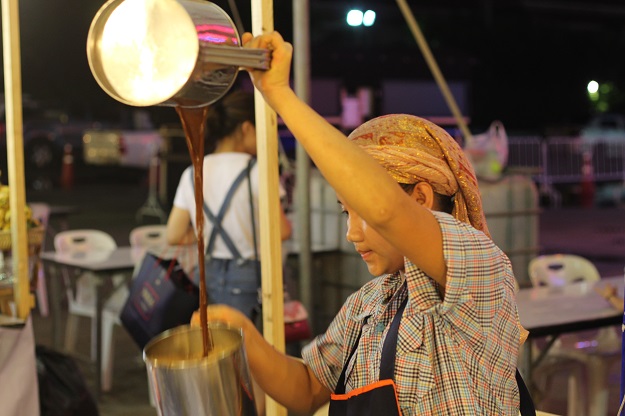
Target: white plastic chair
x,y
141,239
147,237
565,269
81,300
41,211
561,269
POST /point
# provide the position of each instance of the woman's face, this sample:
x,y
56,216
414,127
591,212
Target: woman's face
x,y
379,255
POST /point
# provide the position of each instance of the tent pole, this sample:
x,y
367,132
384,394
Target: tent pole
x,y
15,155
270,242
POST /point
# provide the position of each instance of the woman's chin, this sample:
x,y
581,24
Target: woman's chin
x,y
374,271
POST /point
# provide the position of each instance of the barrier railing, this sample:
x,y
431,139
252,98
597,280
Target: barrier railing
x,y
566,160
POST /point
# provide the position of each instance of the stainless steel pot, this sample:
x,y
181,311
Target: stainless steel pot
x,y
184,383
183,53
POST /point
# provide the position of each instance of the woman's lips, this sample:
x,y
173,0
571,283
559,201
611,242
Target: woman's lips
x,y
365,254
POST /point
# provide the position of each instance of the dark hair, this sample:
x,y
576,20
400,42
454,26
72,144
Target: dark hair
x,y
226,115
445,203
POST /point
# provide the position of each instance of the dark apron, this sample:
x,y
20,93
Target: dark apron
x,y
379,398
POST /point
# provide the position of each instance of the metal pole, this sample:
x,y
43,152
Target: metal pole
x,y
301,71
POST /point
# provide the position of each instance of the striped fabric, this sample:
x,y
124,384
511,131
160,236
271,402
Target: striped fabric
x,y
454,357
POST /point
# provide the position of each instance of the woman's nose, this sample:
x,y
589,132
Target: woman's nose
x,y
354,229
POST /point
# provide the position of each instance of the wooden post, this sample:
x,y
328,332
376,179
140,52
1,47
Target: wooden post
x,y
436,72
270,242
15,155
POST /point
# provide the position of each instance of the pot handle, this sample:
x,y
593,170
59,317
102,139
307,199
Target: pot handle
x,y
235,56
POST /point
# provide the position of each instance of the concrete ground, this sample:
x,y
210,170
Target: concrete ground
x,y
597,233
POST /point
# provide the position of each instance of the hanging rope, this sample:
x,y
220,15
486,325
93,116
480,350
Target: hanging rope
x,y
236,16
438,76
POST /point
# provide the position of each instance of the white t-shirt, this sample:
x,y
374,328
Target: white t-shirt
x,y
220,171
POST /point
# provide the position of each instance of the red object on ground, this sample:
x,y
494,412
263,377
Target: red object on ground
x,y
67,168
587,194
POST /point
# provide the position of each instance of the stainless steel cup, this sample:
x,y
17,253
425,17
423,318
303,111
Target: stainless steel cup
x,y
184,53
184,383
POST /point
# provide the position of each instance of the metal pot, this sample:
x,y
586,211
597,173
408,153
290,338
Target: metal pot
x,y
184,382
182,53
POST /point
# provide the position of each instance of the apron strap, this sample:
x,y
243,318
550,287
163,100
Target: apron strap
x,y
387,365
387,361
525,399
340,385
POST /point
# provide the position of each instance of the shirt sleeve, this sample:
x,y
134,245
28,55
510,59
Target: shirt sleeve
x,y
479,295
184,190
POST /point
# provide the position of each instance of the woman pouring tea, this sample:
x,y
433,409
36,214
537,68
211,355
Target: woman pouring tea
x,y
436,330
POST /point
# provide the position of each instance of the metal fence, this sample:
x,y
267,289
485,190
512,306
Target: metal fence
x,y
566,160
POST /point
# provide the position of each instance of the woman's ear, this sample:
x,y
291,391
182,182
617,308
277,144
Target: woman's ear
x,y
247,127
424,194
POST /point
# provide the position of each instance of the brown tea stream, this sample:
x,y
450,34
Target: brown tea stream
x,y
192,120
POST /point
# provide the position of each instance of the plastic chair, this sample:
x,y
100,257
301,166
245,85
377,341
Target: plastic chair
x,y
561,269
145,237
141,239
81,301
41,211
591,353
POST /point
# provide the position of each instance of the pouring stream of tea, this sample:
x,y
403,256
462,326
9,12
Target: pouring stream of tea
x,y
192,120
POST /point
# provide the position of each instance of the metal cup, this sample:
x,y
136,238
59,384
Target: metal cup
x,y
184,382
183,53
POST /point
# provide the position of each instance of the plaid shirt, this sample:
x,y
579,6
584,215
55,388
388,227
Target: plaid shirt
x,y
455,356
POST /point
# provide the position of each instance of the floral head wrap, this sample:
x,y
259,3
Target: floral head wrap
x,y
414,150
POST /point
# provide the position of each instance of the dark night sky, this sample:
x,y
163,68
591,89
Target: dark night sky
x,y
527,62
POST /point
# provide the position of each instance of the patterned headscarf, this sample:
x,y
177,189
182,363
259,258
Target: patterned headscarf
x,y
414,150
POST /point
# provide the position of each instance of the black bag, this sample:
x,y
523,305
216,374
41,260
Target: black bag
x,y
161,297
62,388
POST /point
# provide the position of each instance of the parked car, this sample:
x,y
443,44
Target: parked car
x,y
121,147
45,134
607,129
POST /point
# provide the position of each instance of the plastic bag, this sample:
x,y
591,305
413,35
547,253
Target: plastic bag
x,y
296,323
62,388
488,152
